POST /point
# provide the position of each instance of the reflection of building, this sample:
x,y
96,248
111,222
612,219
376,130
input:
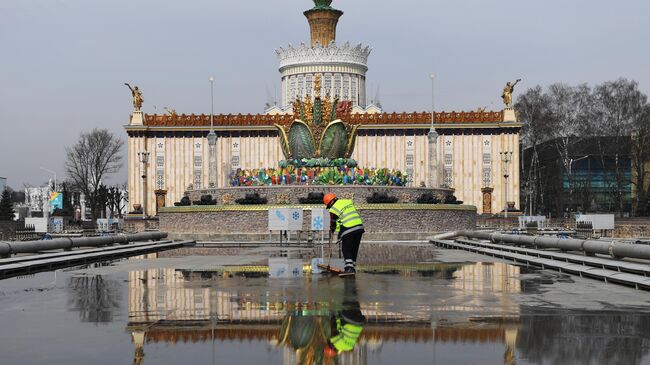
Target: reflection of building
x,y
167,307
496,277
467,149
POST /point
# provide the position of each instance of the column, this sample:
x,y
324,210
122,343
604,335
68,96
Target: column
x,y
212,175
432,137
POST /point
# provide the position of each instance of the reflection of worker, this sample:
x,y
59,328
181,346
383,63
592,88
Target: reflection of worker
x,y
346,326
320,332
349,227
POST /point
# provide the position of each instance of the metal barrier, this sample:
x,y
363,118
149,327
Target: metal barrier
x,y
9,248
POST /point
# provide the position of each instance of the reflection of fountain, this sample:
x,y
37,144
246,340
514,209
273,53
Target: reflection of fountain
x,y
167,307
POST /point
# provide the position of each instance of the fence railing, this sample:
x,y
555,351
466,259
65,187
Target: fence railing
x,y
512,223
26,233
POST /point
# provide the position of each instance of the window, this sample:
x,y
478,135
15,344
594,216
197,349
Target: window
x,y
337,85
301,87
328,84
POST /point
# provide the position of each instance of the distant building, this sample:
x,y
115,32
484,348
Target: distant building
x,y
593,176
36,199
3,183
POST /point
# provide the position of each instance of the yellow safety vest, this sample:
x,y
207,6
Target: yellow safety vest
x,y
346,213
347,337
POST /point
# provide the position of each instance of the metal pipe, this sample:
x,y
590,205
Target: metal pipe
x,y
590,247
8,248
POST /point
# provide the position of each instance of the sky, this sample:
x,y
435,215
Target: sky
x,y
63,62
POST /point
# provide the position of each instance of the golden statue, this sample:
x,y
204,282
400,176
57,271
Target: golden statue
x,y
507,93
137,97
171,112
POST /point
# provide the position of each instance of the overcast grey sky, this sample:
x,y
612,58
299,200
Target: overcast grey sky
x,y
63,62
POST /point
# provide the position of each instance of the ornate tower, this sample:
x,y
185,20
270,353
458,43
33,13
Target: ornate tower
x,y
342,69
322,22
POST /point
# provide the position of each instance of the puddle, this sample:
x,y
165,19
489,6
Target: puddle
x,y
442,313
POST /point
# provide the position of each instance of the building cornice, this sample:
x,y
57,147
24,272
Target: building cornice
x,y
376,127
239,120
353,68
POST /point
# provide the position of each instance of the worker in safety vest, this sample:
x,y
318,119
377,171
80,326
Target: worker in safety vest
x,y
347,325
347,222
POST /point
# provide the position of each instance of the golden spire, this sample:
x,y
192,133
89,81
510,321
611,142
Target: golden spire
x,y
322,22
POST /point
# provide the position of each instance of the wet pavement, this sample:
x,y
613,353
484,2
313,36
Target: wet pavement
x,y
459,310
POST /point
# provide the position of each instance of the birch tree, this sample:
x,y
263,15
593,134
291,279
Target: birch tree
x,y
95,156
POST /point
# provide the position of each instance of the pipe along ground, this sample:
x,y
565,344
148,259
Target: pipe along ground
x,y
9,248
616,250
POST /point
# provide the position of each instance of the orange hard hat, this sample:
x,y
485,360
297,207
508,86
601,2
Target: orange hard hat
x,y
327,199
329,352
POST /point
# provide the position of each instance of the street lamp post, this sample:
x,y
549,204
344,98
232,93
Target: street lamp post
x,y
506,157
144,159
212,141
433,101
433,141
51,172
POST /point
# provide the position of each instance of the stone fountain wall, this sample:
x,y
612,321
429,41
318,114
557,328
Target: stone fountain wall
x,y
290,194
237,223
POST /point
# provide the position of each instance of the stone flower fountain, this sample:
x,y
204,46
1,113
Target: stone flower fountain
x,y
319,130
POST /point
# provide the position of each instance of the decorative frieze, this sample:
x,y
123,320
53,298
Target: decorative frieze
x,y
447,178
473,119
160,163
198,163
235,148
487,162
410,158
304,55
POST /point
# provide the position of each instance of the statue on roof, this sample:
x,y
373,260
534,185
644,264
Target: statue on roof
x,y
137,97
507,93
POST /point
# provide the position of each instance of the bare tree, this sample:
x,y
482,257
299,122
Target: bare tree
x,y
570,108
534,109
640,151
95,156
117,200
619,108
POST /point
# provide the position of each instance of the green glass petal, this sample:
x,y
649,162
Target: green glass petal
x,y
301,141
334,141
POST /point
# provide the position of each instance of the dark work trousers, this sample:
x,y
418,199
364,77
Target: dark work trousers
x,y
350,309
351,242
351,312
